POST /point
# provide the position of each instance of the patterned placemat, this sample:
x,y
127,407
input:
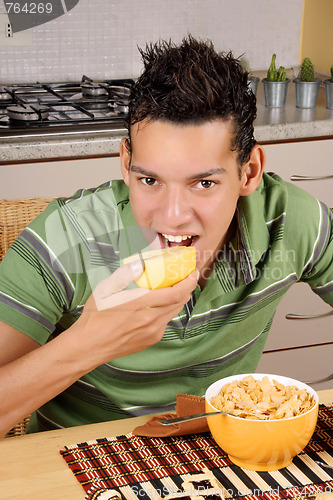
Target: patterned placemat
x,y
151,468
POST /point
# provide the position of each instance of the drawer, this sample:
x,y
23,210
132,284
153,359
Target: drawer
x,y
56,178
306,158
311,365
298,332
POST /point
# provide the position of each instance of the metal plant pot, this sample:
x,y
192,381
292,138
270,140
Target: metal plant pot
x,y
275,93
329,93
306,93
252,83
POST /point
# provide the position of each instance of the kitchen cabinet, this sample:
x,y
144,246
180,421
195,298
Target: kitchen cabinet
x,y
56,178
302,348
307,159
312,365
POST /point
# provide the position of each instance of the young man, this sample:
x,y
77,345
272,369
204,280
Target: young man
x,y
77,343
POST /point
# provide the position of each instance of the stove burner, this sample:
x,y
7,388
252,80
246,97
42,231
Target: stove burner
x,y
98,102
25,112
120,91
4,95
93,105
102,96
92,89
120,107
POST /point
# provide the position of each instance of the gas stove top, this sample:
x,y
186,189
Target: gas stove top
x,y
67,107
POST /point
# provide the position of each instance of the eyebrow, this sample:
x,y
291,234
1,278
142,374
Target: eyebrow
x,y
199,175
142,171
208,173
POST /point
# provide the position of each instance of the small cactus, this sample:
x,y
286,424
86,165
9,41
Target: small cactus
x,y
306,73
274,75
281,74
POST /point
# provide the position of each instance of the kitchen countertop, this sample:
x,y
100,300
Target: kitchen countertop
x,y
291,123
271,125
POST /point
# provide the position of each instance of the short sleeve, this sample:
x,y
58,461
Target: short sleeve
x,y
35,288
318,271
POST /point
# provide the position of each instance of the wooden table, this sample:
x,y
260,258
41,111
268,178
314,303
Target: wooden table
x,y
31,467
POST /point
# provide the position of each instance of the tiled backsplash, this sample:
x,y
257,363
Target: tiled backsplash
x,y
99,38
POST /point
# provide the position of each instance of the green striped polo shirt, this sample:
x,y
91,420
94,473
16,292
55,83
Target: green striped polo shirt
x,y
283,235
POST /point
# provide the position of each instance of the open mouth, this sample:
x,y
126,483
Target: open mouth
x,y
170,240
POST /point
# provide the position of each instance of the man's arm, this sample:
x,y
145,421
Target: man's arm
x,y
14,344
114,323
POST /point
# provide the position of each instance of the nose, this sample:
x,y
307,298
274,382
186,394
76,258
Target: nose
x,y
175,207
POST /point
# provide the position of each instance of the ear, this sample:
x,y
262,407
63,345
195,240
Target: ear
x,y
253,170
125,160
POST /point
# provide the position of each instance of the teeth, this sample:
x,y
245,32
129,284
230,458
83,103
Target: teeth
x,y
177,239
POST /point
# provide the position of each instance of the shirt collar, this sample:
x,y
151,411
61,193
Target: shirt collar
x,y
237,262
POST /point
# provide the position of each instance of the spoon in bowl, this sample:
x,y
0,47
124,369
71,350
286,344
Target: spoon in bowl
x,y
177,420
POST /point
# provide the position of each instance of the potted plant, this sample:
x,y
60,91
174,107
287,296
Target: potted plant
x,y
306,85
275,86
329,90
252,81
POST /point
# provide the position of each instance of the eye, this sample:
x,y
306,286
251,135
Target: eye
x,y
148,181
205,184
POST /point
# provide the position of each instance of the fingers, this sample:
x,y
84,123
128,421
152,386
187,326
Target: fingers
x,y
110,292
120,279
119,298
176,294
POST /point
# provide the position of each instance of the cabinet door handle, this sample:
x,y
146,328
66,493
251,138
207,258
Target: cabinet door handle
x,y
310,177
310,316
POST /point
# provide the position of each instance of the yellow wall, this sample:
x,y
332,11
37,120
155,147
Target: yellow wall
x,y
317,34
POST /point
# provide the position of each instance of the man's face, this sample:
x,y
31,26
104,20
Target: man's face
x,y
183,182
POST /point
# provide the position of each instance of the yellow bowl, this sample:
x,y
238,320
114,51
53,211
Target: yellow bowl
x,y
262,445
165,267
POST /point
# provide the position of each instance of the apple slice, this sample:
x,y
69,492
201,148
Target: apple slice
x,y
165,267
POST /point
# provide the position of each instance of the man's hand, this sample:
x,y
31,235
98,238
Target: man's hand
x,y
116,322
